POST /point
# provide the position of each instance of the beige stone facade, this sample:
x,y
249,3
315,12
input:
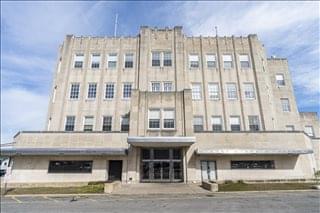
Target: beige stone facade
x,y
174,89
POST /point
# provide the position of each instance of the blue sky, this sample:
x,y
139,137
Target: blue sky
x,y
32,31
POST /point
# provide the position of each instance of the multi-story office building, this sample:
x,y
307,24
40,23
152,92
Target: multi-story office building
x,y
166,107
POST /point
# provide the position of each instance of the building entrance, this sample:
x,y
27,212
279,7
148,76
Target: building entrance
x,y
161,165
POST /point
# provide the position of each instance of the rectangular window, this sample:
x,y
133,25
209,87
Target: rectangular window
x,y
155,86
232,91
154,119
263,164
88,123
70,167
74,91
167,61
213,89
167,86
168,119
70,122
289,127
109,91
280,79
92,90
112,60
196,91
193,61
198,123
126,93
211,60
156,59
249,91
235,123
244,61
216,122
254,124
78,60
227,61
285,104
95,60
107,124
309,130
128,61
125,123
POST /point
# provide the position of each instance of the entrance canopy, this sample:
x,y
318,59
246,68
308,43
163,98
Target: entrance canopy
x,y
161,141
253,151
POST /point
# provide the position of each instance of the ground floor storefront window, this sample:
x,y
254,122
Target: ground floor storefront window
x,y
249,164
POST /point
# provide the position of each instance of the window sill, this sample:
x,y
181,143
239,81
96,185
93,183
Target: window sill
x,y
108,99
214,99
90,99
232,99
250,99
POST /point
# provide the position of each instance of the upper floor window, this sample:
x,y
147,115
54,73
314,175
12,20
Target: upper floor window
x,y
244,61
198,123
95,60
232,91
290,127
155,86
126,93
280,79
285,105
92,90
167,86
156,59
109,91
309,130
235,123
107,123
78,60
211,60
88,123
168,119
254,124
167,61
249,91
74,91
154,119
213,89
125,123
128,60
70,122
196,91
216,122
227,61
193,61
112,60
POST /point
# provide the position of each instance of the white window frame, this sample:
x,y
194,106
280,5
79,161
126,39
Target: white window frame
x,y
229,92
287,107
190,60
196,95
160,57
249,94
84,122
153,83
241,59
164,118
164,58
94,60
88,91
158,118
164,87
208,55
103,118
238,123
283,80
105,90
78,57
212,92
200,117
123,90
71,97
225,58
216,117
74,123
125,59
112,56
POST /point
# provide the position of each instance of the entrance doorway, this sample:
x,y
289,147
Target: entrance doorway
x,y
161,165
208,170
115,170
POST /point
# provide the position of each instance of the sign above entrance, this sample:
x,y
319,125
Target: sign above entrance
x,y
161,141
252,151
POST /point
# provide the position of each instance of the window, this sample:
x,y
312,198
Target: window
x,y
109,91
95,60
249,91
156,59
216,122
154,119
167,61
112,60
128,61
88,124
125,123
309,130
107,123
92,90
70,121
263,164
155,86
70,167
289,127
227,61
232,91
285,104
211,60
127,90
168,119
244,61
235,123
193,61
167,86
254,123
74,91
196,91
78,60
213,89
198,123
280,79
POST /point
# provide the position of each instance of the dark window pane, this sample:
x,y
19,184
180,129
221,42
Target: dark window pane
x,y
145,170
235,127
176,154
254,127
267,164
168,123
161,154
216,128
177,170
198,128
146,154
156,63
70,167
154,123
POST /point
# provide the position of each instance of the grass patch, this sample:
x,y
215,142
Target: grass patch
x,y
240,186
90,188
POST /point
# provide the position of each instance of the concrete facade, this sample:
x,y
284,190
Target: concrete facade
x,y
279,136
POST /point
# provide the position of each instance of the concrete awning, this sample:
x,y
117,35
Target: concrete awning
x,y
161,141
253,151
14,151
